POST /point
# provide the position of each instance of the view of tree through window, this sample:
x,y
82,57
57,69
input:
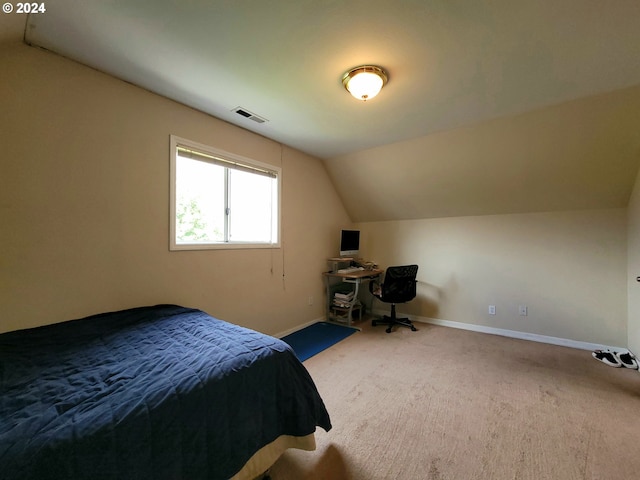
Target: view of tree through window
x,y
200,204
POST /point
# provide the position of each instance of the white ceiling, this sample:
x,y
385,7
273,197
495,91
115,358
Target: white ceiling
x,y
451,63
492,106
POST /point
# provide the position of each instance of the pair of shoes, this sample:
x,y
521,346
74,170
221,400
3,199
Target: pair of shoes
x,y
616,359
607,357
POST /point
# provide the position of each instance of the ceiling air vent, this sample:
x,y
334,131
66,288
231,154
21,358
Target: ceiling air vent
x,y
251,116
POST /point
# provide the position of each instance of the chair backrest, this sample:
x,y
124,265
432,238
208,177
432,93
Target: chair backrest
x,y
399,284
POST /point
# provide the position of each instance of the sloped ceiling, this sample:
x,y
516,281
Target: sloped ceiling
x,y
582,154
492,106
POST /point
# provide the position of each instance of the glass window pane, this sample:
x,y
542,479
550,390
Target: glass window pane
x,y
251,200
199,201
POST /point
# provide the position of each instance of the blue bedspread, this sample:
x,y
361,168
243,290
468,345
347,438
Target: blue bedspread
x,y
159,392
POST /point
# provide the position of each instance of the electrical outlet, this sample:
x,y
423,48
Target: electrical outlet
x,y
523,310
492,309
310,300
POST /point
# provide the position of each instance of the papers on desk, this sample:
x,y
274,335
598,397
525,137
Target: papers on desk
x,y
350,270
343,300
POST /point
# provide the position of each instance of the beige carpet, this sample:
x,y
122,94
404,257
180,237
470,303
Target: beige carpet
x,y
442,403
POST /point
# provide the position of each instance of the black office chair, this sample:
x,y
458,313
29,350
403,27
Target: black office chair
x,y
398,286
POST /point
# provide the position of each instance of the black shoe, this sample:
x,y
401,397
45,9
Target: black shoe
x,y
627,360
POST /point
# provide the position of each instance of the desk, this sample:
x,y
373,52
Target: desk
x,y
335,282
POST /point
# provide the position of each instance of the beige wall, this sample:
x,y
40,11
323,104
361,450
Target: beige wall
x,y
633,270
84,206
568,268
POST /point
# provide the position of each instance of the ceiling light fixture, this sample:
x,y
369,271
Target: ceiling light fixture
x,y
364,82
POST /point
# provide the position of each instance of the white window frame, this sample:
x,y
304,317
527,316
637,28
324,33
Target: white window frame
x,y
231,158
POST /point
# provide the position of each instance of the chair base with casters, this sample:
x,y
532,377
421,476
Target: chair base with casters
x,y
399,286
392,320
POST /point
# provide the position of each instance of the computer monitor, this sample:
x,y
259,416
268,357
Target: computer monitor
x,y
350,243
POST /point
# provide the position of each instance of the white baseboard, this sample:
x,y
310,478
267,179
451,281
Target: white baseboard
x,y
534,337
298,327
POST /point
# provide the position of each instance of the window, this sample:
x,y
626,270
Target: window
x,y
221,200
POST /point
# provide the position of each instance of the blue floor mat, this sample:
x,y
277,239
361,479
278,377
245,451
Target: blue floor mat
x,y
316,338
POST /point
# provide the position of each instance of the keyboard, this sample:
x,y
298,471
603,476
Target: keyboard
x,y
350,270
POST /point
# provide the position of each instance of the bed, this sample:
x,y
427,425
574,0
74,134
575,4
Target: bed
x,y
162,392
